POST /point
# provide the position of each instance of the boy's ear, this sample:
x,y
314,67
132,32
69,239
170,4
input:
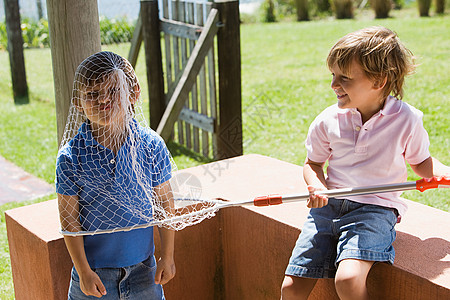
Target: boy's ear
x,y
77,104
380,82
135,94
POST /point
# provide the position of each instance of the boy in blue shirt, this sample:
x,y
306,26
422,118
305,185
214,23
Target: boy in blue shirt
x,y
113,174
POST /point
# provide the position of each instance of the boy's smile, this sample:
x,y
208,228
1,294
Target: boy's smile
x,y
101,104
356,90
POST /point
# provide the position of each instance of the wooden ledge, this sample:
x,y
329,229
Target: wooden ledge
x,y
242,252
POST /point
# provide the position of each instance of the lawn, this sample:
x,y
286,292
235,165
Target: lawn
x,y
285,84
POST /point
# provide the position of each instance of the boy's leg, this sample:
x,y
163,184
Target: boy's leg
x,y
351,279
297,287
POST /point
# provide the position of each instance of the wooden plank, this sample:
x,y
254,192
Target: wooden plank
x,y
194,92
136,42
183,52
212,92
167,46
176,56
15,50
197,119
190,72
179,29
153,61
176,45
202,90
230,96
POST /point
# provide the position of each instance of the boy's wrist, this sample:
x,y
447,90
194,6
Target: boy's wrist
x,y
167,254
83,270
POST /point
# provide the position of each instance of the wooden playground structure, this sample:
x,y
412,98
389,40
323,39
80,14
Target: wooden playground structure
x,y
194,79
194,86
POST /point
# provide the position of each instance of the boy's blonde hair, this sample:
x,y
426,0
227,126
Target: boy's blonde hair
x,y
381,55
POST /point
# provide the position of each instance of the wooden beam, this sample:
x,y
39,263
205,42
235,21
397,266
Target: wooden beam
x,y
15,50
180,29
193,65
153,60
74,35
136,42
229,132
197,119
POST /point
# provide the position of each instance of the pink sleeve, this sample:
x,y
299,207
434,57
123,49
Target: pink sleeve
x,y
417,148
317,143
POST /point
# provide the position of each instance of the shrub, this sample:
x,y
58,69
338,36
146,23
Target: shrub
x,y
343,9
302,10
440,6
424,7
269,11
3,37
35,34
322,6
115,30
398,4
381,8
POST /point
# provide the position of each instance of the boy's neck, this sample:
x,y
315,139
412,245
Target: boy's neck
x,y
368,112
111,137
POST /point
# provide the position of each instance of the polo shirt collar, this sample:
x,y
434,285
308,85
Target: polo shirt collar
x,y
86,132
391,106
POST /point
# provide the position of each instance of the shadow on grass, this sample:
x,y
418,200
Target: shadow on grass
x,y
180,150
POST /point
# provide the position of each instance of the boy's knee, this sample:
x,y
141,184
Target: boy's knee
x,y
296,288
351,278
347,281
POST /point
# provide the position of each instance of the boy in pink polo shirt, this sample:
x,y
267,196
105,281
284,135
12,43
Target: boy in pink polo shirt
x,y
366,138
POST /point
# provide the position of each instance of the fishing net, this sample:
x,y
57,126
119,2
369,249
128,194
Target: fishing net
x,y
113,172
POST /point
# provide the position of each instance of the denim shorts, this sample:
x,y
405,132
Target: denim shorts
x,y
343,229
135,282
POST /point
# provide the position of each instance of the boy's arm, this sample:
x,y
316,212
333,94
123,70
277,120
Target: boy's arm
x,y
166,265
315,179
430,167
90,283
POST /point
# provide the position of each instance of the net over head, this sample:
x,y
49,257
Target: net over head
x,y
113,172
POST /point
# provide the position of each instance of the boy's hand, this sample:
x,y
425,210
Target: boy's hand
x,y
165,270
316,201
91,285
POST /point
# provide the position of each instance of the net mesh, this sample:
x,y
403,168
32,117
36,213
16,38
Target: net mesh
x,y
113,172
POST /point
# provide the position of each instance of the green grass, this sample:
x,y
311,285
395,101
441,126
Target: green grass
x,y
285,62
285,84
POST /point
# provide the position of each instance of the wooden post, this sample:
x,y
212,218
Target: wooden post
x,y
136,42
15,50
74,35
153,60
229,134
39,9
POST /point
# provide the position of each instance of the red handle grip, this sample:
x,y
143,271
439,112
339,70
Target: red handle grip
x,y
433,183
268,200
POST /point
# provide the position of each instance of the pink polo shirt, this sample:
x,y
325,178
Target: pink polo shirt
x,y
373,153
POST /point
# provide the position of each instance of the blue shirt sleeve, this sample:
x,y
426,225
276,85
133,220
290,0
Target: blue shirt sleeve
x,y
65,177
162,163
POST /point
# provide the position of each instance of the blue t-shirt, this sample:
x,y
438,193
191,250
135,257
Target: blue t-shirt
x,y
108,185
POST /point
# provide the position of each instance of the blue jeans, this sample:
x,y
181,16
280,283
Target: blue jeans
x,y
343,229
134,282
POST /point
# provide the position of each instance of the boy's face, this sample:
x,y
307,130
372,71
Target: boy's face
x,y
355,89
103,105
